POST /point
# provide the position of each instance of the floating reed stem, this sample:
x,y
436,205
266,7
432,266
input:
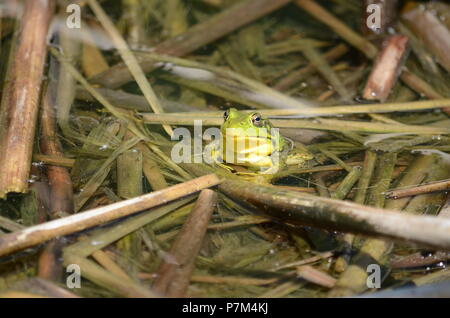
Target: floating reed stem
x,y
342,261
40,233
60,183
299,208
151,170
388,66
106,236
129,174
20,100
443,185
173,279
318,123
347,184
315,111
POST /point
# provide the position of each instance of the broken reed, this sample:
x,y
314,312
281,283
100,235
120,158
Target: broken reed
x,y
21,94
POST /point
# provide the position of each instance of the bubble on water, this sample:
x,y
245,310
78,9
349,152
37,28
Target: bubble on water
x,y
33,178
441,264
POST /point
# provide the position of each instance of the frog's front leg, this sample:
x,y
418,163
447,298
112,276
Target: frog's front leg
x,y
298,154
213,155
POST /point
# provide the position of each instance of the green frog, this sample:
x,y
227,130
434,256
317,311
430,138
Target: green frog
x,y
250,140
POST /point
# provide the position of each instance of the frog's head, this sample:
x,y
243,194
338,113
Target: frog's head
x,y
250,124
240,126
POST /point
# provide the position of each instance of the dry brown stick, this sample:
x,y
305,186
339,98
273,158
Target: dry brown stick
x,y
315,276
173,279
420,259
20,100
197,36
306,209
74,223
443,185
61,190
387,68
309,260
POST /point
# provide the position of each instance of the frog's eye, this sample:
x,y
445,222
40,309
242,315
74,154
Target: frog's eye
x,y
256,119
226,114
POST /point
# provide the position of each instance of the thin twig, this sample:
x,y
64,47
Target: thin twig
x,y
443,185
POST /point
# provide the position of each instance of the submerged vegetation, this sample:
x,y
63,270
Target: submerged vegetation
x,y
88,181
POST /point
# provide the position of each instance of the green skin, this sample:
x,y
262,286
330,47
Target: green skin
x,y
260,149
